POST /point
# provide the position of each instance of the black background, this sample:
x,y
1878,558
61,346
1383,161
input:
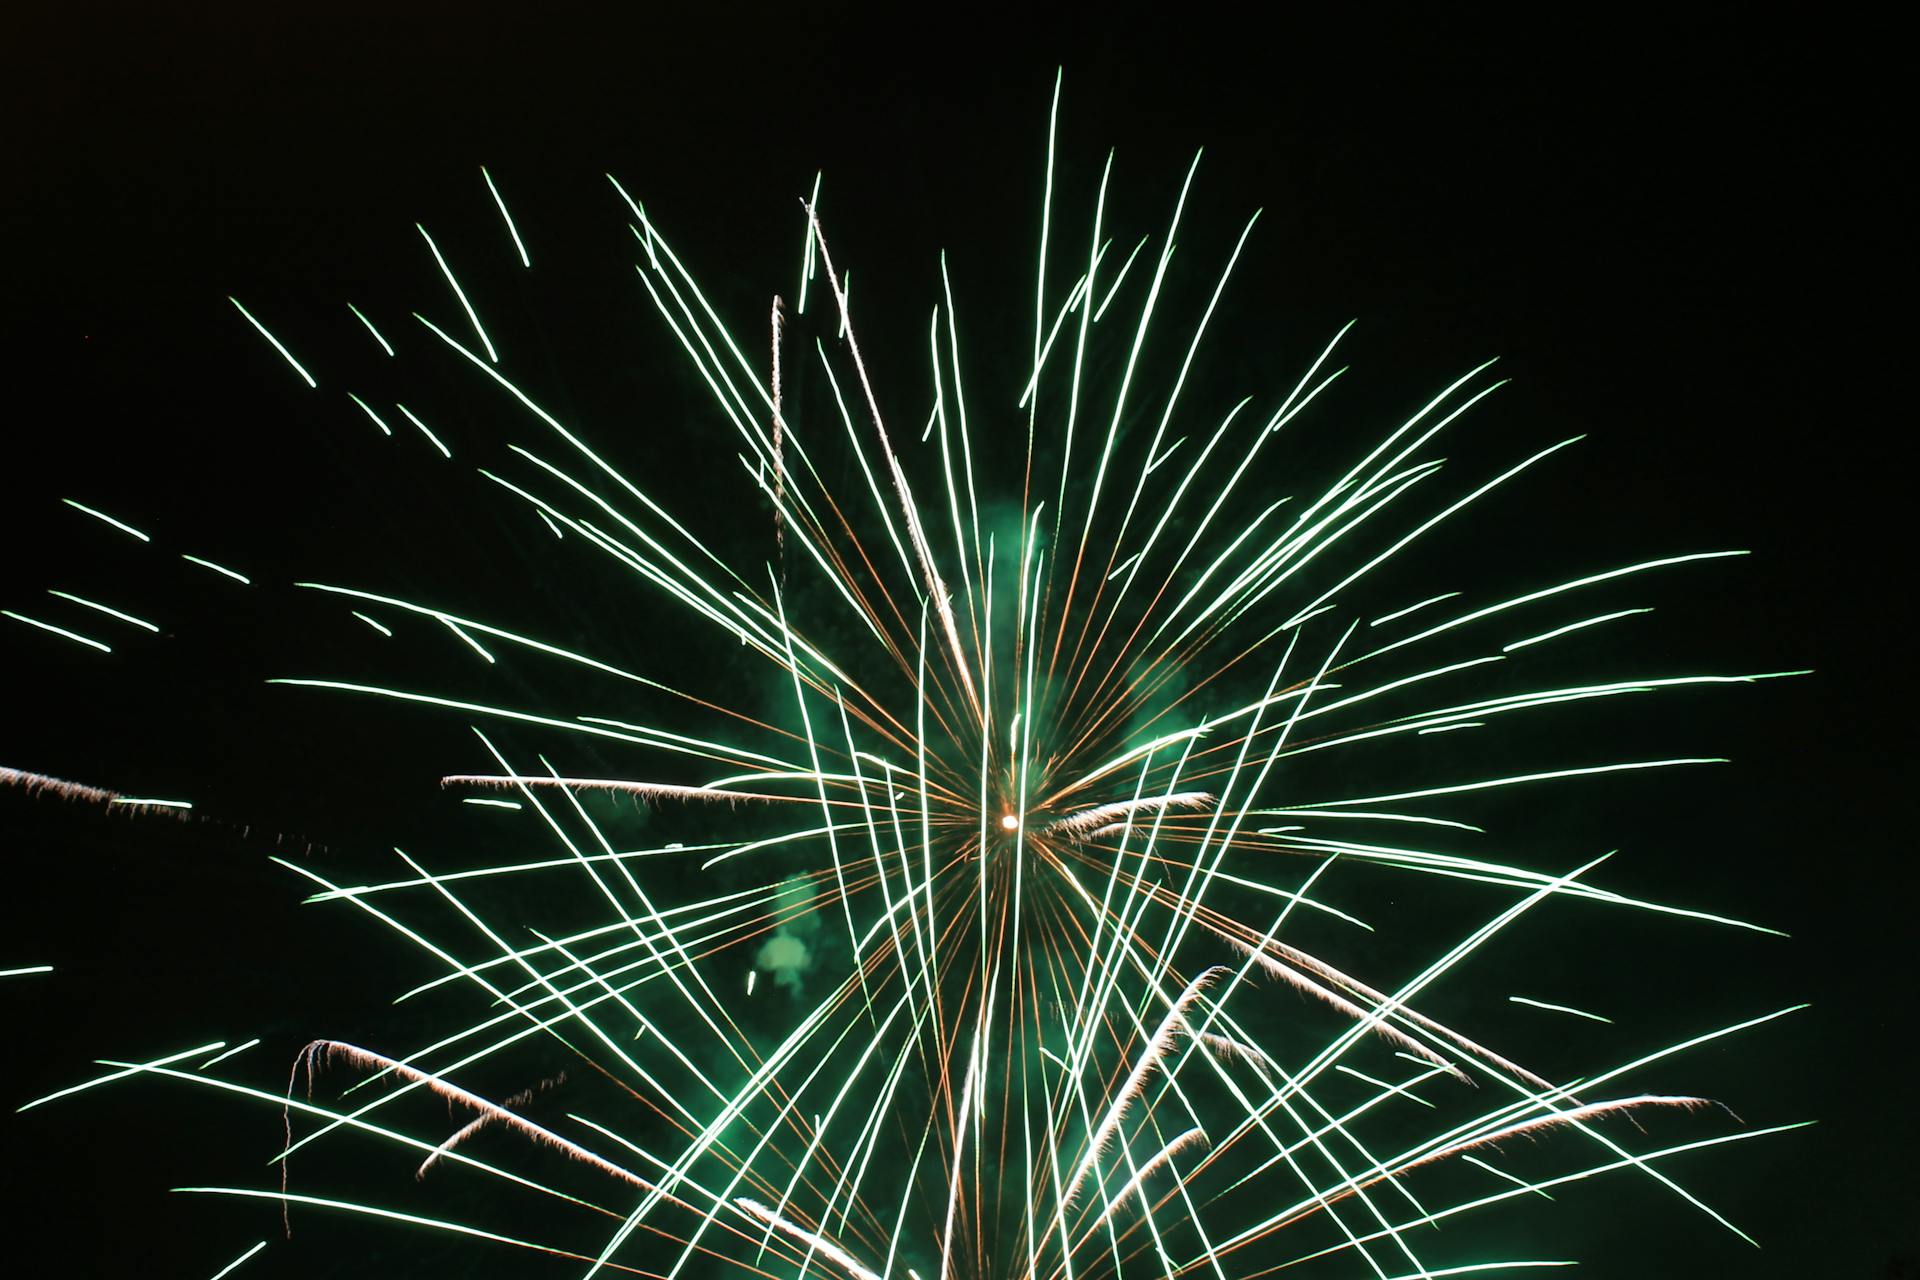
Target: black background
x,y
1676,230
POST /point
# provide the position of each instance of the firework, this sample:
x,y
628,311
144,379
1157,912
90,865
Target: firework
x,y
1046,840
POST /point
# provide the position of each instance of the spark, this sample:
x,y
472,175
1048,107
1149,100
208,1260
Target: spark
x,y
237,576
1102,815
334,1051
106,609
506,217
224,1055
459,293
483,1120
1559,1008
102,516
1571,626
812,1239
1478,1163
58,631
377,336
425,430
372,1211
268,335
366,408
655,790
467,639
123,1073
1397,614
232,1266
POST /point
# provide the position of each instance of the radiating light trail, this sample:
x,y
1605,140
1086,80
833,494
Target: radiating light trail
x,y
1019,880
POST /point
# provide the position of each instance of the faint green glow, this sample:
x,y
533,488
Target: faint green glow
x,y
425,430
229,1268
506,218
121,525
218,568
58,631
106,609
267,334
377,336
1559,1008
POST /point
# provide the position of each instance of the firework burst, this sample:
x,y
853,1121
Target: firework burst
x,y
1039,843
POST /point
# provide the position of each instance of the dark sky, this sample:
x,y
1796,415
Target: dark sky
x,y
1675,232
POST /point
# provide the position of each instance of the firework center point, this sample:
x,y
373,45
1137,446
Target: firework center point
x,y
1009,822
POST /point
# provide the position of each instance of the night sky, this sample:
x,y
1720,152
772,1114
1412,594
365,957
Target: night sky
x,y
1676,233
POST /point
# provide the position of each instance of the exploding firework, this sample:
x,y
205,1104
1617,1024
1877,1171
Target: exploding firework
x,y
1012,923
